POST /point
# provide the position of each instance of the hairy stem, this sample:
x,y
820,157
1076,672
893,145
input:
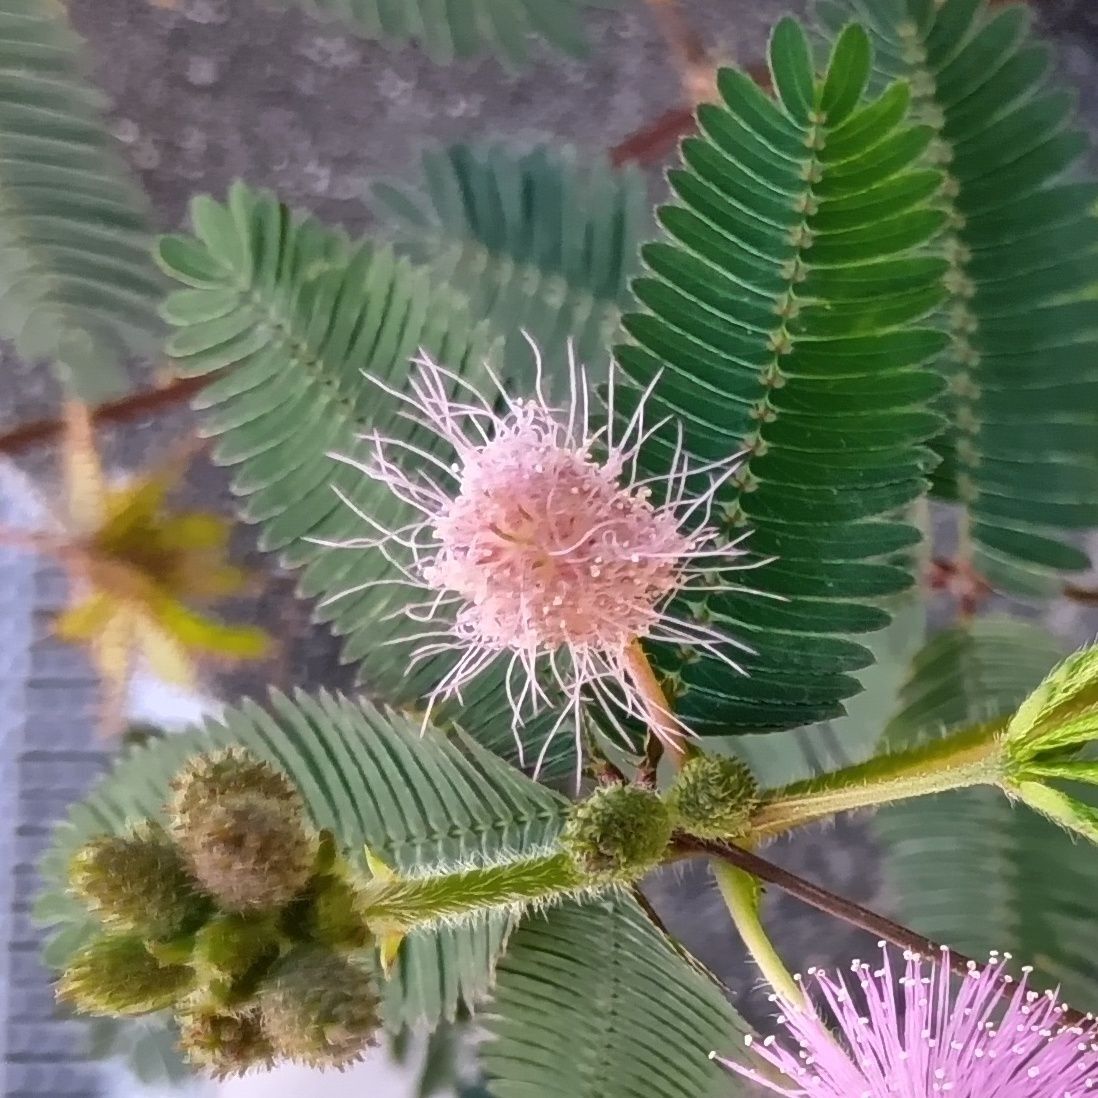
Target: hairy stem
x,y
740,892
402,903
969,758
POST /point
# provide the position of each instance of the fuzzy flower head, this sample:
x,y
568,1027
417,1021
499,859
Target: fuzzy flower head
x,y
541,545
928,1038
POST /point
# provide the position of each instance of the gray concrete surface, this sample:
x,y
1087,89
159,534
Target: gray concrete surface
x,y
209,90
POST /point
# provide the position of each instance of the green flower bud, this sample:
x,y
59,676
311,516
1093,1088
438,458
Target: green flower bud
x,y
232,954
138,883
225,1045
117,975
713,797
618,834
319,1009
249,852
329,913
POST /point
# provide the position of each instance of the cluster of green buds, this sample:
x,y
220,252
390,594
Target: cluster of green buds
x,y
238,917
622,831
256,932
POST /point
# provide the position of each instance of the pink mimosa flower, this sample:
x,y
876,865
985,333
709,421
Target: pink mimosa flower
x,y
928,1033
541,545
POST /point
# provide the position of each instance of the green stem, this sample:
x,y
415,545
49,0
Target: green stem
x,y
969,758
740,892
396,903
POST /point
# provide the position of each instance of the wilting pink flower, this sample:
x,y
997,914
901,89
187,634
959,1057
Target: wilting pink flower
x,y
540,544
987,1037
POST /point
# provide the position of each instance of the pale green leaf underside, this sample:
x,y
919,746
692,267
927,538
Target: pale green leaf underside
x,y
786,315
540,242
451,29
1019,453
593,1002
967,868
373,780
294,319
77,283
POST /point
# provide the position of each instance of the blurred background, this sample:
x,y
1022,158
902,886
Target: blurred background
x,y
206,91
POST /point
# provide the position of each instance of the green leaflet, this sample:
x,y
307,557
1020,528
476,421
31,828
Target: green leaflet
x,y
780,758
969,868
463,28
1019,453
785,316
594,1002
370,778
541,242
77,285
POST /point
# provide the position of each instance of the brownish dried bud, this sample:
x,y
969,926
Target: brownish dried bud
x,y
225,1045
249,852
319,1009
208,779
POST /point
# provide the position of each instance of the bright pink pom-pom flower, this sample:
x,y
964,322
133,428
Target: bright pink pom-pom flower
x,y
541,545
928,1037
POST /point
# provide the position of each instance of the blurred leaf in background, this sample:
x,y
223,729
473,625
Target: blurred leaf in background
x,y
135,566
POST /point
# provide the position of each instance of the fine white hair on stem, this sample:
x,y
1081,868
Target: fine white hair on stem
x,y
557,554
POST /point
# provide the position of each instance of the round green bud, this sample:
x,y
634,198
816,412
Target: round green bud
x,y
319,1009
116,975
138,883
713,797
329,913
248,852
618,834
233,953
225,1045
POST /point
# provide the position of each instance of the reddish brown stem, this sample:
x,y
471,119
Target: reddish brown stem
x,y
144,402
847,910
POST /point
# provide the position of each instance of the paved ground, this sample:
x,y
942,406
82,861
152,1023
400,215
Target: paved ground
x,y
209,90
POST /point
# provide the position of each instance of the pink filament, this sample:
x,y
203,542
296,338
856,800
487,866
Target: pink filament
x,y
919,1037
539,544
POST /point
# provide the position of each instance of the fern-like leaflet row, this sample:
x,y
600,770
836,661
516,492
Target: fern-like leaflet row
x,y
785,316
1020,455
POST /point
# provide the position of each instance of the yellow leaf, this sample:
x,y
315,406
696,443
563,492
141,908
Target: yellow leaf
x,y
203,579
166,657
132,509
85,487
84,620
194,530
378,868
195,631
112,645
